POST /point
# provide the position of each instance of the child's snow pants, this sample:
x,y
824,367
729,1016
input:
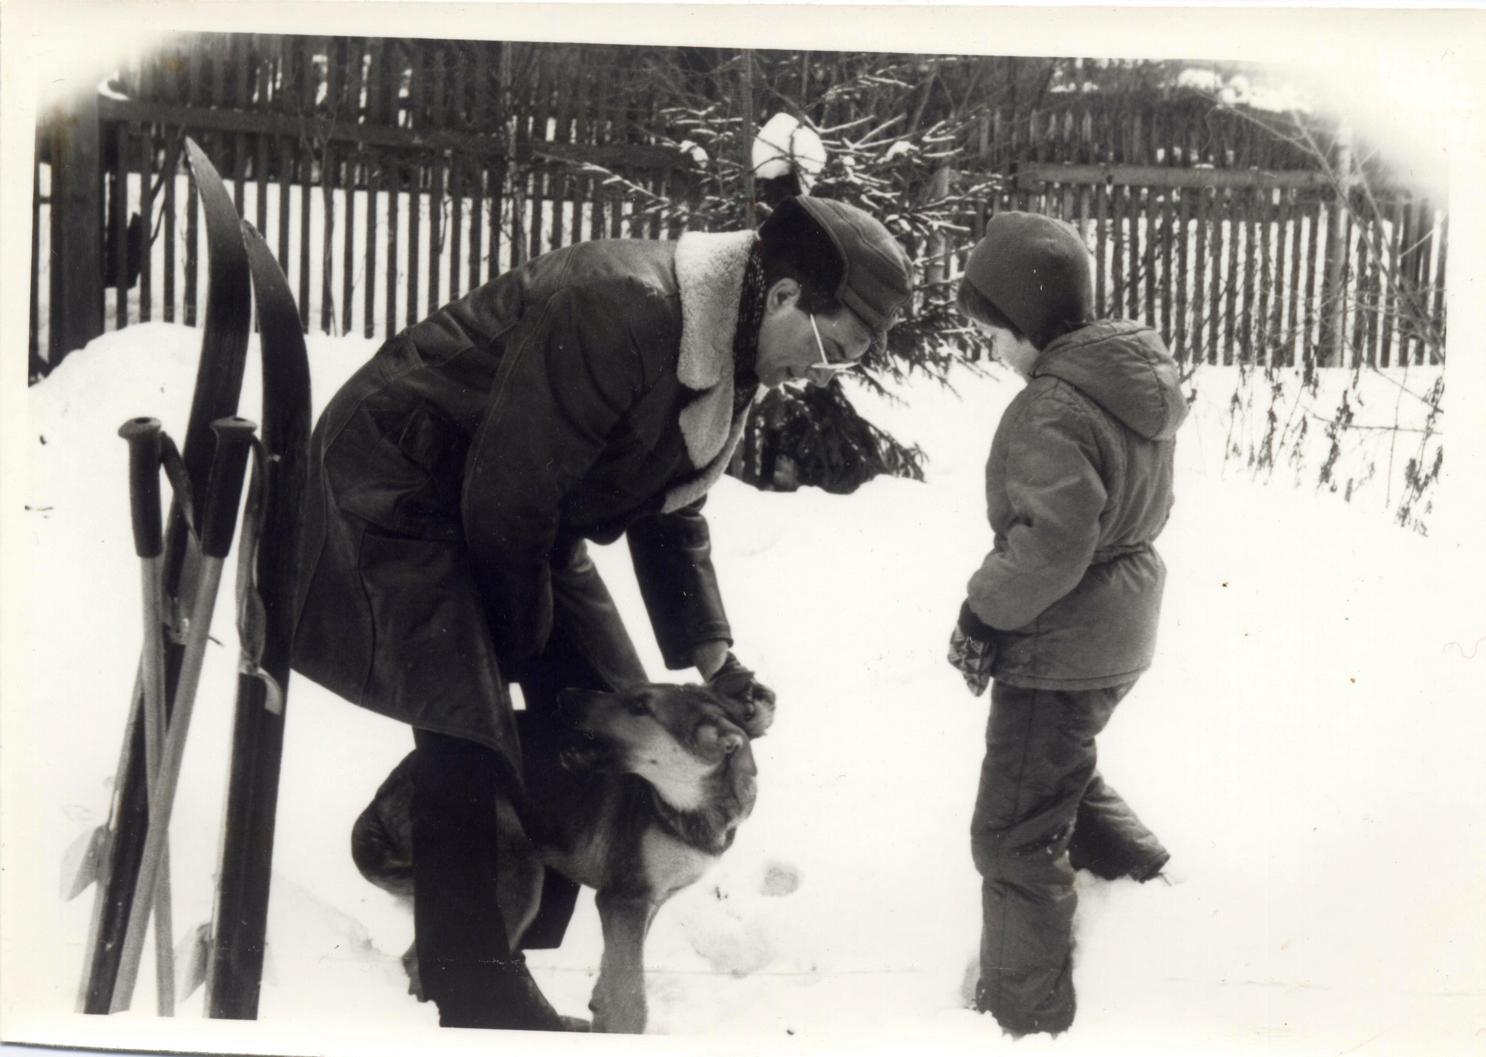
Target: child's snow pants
x,y
1043,811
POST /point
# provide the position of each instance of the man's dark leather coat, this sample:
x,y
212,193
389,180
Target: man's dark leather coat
x,y
455,477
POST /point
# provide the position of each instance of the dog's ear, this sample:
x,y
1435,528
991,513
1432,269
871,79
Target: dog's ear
x,y
575,704
577,696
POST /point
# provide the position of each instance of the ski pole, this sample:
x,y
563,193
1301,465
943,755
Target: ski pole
x,y
219,523
112,855
143,436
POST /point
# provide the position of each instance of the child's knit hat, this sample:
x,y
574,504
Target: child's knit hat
x,y
1035,270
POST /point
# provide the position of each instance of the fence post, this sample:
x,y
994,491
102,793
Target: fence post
x,y
77,228
1333,334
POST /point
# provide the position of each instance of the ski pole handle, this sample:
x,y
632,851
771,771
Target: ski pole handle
x,y
143,435
224,487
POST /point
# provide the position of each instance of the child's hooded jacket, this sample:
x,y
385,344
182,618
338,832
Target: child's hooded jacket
x,y
1078,487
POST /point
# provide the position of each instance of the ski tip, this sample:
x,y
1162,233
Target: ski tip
x,y
194,153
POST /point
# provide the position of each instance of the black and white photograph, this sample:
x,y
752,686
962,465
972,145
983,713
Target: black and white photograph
x,y
769,528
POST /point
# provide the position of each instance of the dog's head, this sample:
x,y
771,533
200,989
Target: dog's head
x,y
679,738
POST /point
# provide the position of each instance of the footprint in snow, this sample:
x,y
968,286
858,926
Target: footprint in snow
x,y
730,942
736,935
780,878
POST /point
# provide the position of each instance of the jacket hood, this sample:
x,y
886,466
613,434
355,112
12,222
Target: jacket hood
x,y
1124,368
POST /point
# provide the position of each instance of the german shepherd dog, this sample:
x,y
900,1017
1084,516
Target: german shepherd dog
x,y
640,791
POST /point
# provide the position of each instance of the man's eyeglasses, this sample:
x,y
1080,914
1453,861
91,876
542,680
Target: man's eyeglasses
x,y
826,363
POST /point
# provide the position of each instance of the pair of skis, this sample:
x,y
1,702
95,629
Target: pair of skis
x,y
181,567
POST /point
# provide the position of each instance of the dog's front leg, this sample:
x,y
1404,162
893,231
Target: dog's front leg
x,y
618,1001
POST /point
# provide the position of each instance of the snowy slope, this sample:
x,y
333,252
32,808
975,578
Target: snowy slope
x,y
1306,744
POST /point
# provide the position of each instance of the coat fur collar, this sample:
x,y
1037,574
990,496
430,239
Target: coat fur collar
x,y
709,274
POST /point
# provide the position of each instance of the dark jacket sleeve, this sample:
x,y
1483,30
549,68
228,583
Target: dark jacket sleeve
x,y
1056,493
672,555
573,370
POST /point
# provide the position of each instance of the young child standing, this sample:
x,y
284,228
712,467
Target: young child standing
x,y
1062,612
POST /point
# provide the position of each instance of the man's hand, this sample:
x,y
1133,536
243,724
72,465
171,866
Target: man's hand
x,y
972,650
709,657
749,703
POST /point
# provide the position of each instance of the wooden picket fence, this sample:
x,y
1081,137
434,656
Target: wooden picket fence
x,y
391,176
371,235
1182,129
1244,241
1246,266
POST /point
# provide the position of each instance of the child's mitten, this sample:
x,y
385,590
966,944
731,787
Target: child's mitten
x,y
972,649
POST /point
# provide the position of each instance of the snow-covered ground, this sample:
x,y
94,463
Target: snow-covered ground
x,y
1308,744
